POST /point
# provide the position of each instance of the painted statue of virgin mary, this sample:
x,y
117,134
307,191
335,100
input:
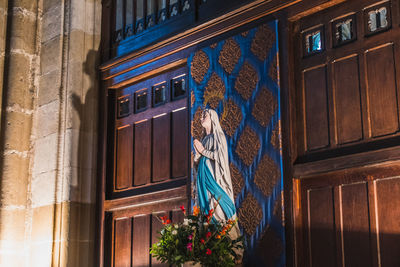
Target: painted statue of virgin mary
x,y
213,180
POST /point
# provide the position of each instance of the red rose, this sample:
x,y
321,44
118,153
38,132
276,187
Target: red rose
x,y
208,234
208,251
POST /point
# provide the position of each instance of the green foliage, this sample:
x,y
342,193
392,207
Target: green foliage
x,y
197,239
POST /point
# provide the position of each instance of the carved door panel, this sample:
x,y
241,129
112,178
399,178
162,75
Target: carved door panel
x,y
147,164
347,94
348,218
347,114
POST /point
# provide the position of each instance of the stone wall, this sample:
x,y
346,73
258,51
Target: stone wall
x,y
49,131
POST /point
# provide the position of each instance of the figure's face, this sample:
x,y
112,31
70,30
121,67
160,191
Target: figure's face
x,y
205,120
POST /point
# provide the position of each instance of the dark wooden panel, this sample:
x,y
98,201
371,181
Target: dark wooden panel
x,y
177,216
316,108
381,86
156,227
321,227
355,225
180,143
124,157
161,147
122,242
141,241
388,221
142,169
347,100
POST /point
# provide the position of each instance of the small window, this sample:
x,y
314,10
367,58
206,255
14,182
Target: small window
x,y
124,106
178,86
313,40
377,18
141,100
159,94
344,30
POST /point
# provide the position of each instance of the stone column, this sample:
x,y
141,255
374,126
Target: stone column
x,y
49,133
18,81
3,29
63,175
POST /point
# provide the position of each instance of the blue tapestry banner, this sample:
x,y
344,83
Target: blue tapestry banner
x,y
238,78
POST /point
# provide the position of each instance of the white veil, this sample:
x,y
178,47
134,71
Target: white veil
x,y
222,173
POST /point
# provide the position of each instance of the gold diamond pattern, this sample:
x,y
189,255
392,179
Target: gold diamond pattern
x,y
214,91
231,117
267,175
248,146
250,214
237,179
264,107
229,55
246,81
263,41
199,66
196,128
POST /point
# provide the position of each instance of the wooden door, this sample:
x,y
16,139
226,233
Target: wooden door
x,y
147,164
349,217
346,120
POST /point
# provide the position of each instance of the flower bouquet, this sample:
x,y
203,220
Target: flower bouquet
x,y
199,239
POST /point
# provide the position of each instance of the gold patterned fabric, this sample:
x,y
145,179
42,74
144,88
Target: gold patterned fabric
x,y
267,175
199,66
246,80
197,129
237,179
248,146
231,117
262,42
250,214
229,55
239,78
214,91
264,107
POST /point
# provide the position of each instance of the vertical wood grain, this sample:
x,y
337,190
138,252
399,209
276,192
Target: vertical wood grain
x,y
316,108
347,100
161,147
381,90
321,227
123,176
122,242
180,143
142,163
141,241
388,221
355,225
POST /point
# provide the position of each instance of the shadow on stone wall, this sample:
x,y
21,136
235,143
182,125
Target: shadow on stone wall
x,y
82,227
